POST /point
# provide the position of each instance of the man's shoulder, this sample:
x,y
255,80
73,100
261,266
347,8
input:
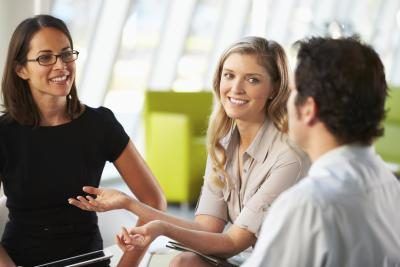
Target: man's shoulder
x,y
300,206
305,192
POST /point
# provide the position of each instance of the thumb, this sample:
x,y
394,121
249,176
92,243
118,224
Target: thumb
x,y
139,230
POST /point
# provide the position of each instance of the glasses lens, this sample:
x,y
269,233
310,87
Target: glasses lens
x,y
46,59
69,56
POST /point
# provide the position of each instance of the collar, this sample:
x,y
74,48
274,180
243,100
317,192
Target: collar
x,y
337,154
263,139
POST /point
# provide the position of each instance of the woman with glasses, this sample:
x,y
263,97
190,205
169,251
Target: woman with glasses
x,y
250,161
51,145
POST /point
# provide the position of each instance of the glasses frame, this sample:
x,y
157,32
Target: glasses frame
x,y
56,56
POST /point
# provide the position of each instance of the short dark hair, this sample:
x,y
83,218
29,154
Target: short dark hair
x,y
346,79
18,101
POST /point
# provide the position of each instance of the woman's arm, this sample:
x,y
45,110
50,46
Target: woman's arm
x,y
109,199
5,260
227,244
143,185
139,178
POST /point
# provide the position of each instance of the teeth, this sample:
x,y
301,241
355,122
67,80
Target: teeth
x,y
237,101
59,79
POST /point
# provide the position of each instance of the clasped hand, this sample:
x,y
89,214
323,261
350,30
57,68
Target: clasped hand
x,y
138,238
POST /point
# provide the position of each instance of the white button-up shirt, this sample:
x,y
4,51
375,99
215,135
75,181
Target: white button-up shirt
x,y
346,212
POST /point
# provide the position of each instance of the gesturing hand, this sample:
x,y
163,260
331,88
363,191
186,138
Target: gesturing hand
x,y
105,200
139,238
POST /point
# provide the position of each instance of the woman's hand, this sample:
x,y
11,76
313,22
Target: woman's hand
x,y
139,238
105,200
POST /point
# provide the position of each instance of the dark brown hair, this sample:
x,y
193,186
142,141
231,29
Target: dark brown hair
x,y
19,104
346,79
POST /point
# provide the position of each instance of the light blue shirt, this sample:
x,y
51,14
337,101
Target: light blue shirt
x,y
346,212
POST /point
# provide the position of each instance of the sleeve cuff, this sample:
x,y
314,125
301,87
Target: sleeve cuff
x,y
211,204
250,220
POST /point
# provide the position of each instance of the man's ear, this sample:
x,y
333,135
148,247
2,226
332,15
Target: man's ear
x,y
21,72
309,111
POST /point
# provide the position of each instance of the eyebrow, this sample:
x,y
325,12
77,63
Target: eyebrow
x,y
49,51
247,74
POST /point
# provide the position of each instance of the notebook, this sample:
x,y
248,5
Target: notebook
x,y
80,260
214,261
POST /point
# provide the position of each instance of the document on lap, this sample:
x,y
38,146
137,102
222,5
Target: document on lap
x,y
215,261
80,260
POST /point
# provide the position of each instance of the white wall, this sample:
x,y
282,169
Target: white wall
x,y
11,14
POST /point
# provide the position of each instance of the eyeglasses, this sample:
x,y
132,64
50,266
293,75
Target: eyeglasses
x,y
50,59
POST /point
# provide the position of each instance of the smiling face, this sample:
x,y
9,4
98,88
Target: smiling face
x,y
53,81
245,87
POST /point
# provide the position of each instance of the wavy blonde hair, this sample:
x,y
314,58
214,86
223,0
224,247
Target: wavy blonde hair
x,y
272,57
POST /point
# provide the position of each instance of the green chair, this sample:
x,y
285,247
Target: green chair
x,y
388,146
175,128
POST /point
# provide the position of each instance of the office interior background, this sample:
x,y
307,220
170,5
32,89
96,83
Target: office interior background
x,y
128,47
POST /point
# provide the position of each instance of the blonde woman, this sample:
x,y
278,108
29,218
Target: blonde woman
x,y
250,161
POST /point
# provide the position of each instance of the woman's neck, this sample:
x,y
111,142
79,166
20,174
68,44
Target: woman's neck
x,y
53,113
247,131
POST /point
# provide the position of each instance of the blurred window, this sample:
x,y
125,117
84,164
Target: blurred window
x,y
81,18
140,39
194,63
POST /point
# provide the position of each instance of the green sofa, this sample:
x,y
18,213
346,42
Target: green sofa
x,y
175,149
388,146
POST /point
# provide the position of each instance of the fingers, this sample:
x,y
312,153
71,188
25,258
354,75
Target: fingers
x,y
121,244
87,203
138,240
80,202
124,241
91,200
76,203
92,190
93,203
125,235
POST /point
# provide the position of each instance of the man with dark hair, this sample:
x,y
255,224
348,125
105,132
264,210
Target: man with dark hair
x,y
345,212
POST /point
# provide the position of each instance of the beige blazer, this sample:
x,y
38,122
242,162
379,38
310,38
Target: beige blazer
x,y
271,164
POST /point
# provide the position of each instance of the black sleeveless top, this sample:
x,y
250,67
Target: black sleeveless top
x,y
40,169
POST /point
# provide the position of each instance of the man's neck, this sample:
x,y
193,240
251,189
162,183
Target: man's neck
x,y
321,142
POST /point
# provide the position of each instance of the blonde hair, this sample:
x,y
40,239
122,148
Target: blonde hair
x,y
272,57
